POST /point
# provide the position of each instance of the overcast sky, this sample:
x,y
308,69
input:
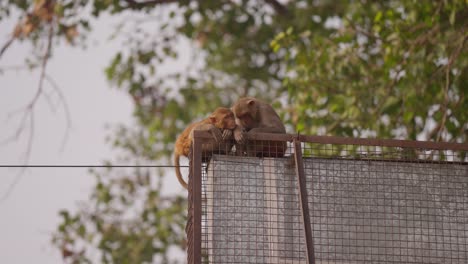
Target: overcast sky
x,y
30,214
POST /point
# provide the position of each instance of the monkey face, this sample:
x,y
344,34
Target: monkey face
x,y
246,121
223,118
245,110
230,122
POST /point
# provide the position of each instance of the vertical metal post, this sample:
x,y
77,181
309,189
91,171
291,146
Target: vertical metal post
x,y
196,195
304,201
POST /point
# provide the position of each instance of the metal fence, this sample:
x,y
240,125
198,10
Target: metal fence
x,y
329,200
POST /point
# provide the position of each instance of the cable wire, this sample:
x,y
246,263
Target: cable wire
x,y
86,166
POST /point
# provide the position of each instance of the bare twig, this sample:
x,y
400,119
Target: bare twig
x,y
52,106
141,4
65,107
20,128
27,152
6,46
445,104
448,67
29,113
13,184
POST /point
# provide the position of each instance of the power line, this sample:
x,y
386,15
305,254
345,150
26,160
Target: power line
x,y
87,166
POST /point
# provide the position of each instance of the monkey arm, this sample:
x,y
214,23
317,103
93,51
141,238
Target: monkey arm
x,y
239,135
227,134
218,137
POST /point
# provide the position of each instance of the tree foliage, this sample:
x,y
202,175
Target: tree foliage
x,y
128,220
389,69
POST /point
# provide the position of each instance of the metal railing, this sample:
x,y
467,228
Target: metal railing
x,y
329,200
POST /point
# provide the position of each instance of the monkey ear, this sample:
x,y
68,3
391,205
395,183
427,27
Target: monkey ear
x,y
213,119
251,102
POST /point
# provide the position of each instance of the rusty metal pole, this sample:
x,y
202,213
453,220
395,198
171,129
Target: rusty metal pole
x,y
304,201
196,180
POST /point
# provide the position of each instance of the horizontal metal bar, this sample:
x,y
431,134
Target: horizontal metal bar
x,y
385,142
351,141
255,136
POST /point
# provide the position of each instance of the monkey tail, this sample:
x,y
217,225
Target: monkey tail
x,y
177,170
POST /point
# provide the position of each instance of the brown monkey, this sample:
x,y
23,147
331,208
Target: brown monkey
x,y
255,116
221,120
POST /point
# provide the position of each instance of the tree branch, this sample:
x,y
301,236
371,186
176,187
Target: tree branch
x,y
6,45
279,8
12,185
134,4
65,107
138,5
452,58
29,114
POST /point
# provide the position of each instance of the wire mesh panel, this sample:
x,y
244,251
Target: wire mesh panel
x,y
369,201
372,204
251,215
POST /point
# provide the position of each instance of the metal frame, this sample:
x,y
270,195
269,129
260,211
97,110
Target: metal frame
x,y
194,229
304,201
195,187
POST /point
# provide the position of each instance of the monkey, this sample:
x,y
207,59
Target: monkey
x,y
222,119
255,116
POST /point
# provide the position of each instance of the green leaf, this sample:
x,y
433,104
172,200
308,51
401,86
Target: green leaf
x,y
452,17
408,116
391,106
65,214
378,16
81,231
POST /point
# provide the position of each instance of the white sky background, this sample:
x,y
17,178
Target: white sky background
x,y
30,214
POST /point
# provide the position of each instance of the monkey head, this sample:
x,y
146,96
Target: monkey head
x,y
223,118
245,109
